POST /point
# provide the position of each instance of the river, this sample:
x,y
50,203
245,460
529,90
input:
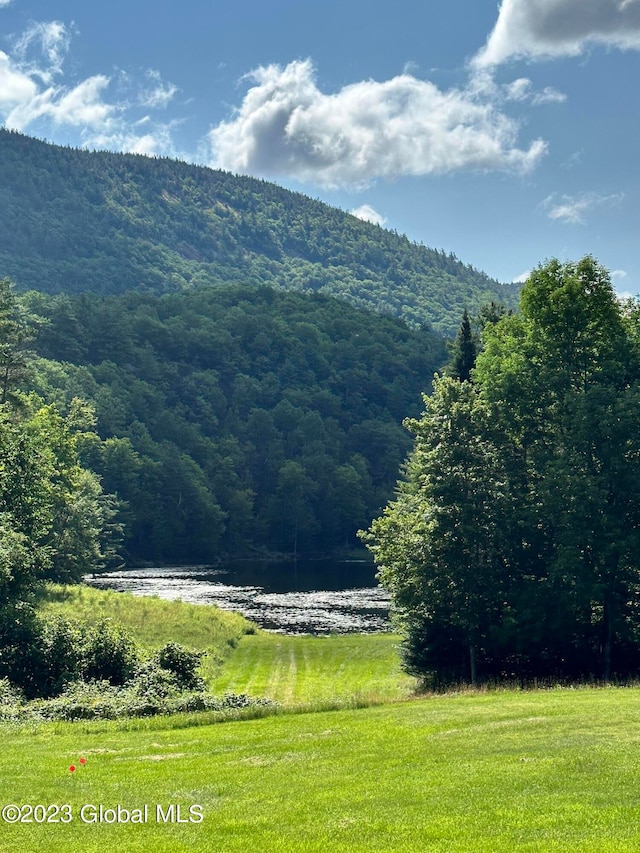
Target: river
x,y
316,597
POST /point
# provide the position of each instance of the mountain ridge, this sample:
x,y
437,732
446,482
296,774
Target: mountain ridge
x,y
73,220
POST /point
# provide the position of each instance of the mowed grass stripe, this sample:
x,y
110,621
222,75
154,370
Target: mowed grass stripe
x,y
305,669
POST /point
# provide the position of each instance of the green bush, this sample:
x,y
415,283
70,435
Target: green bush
x,y
111,653
182,663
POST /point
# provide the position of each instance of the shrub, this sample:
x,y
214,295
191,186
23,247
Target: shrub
x,y
182,663
111,653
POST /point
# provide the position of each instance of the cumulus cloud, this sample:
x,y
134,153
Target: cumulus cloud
x,y
15,87
618,273
81,106
367,130
542,29
102,110
369,214
520,279
573,209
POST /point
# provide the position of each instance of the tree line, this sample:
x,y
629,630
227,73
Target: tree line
x,y
511,549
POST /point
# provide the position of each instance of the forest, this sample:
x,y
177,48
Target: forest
x,y
74,221
234,421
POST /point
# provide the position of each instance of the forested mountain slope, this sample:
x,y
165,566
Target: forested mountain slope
x,y
74,221
236,418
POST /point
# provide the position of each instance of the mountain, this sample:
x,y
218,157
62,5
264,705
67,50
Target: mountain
x,y
234,419
74,221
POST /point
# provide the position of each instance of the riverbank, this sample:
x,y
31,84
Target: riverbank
x,y
240,658
317,597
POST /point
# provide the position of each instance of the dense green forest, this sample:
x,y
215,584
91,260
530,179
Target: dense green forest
x,y
511,549
235,419
74,221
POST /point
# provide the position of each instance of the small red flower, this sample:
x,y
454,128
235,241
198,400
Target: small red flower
x,y
73,768
83,761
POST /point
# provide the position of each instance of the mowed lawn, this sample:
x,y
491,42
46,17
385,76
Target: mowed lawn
x,y
553,770
343,669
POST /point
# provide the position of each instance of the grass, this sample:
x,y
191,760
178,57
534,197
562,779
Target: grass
x,y
362,668
475,772
154,621
508,771
294,670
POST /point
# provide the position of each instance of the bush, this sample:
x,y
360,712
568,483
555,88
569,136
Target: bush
x,y
43,656
182,663
111,654
151,679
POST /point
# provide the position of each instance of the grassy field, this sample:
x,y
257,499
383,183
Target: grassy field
x,y
356,668
506,771
476,772
297,670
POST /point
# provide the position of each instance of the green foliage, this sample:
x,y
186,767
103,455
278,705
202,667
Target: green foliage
x,y
74,221
111,653
182,663
511,549
234,419
464,351
152,621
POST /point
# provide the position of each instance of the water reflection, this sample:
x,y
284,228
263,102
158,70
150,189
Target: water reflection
x,y
312,597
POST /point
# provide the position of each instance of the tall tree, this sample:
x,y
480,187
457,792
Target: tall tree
x,y
554,514
464,351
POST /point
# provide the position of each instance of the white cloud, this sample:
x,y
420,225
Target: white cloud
x,y
81,106
369,214
541,29
572,209
50,41
366,130
520,279
549,95
5,3
159,95
100,108
624,295
15,87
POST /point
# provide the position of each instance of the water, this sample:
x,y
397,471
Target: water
x,y
318,597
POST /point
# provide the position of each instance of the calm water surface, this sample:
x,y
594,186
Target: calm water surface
x,y
318,597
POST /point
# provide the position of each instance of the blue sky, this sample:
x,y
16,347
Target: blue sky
x,y
506,133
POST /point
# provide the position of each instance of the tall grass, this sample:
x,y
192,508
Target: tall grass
x,y
153,621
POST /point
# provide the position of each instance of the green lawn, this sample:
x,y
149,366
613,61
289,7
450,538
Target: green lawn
x,y
356,668
547,770
506,771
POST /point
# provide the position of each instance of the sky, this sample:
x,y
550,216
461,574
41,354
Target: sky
x,y
507,133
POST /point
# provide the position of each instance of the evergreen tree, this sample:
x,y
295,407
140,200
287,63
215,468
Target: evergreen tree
x,y
464,351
